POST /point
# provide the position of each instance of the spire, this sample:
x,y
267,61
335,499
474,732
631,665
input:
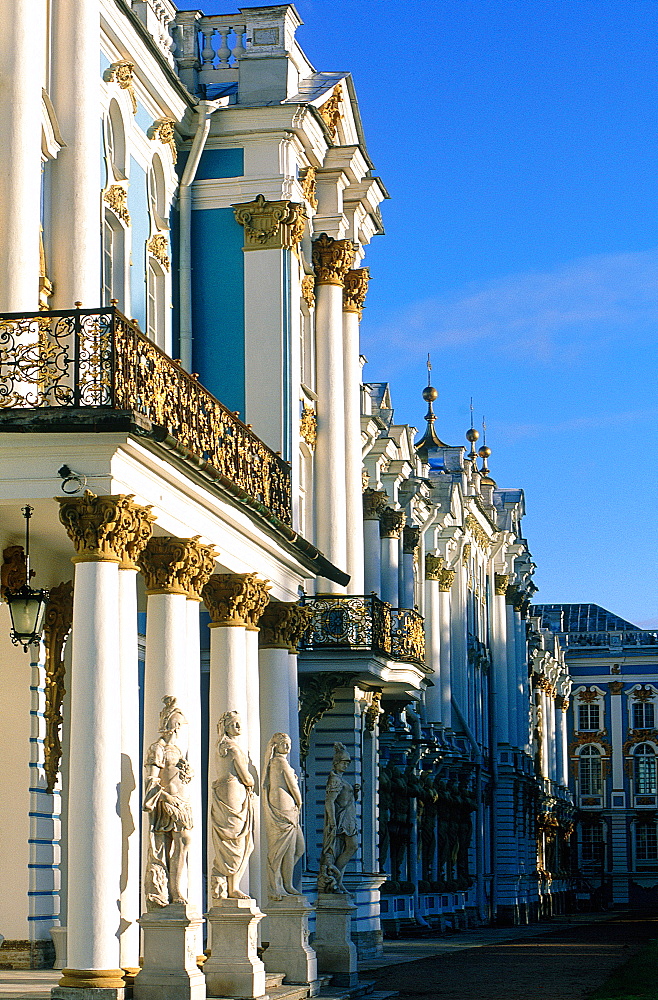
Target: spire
x,y
484,454
472,436
429,440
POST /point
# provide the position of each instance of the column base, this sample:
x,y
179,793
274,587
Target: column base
x,y
333,944
170,971
91,979
289,951
234,968
88,993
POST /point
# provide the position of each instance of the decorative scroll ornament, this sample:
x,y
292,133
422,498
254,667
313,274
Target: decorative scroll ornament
x,y
256,601
137,535
410,539
616,687
317,697
373,711
374,502
270,225
308,186
122,73
332,259
355,288
501,582
584,739
478,532
102,528
639,736
163,129
14,569
330,112
588,695
433,566
283,626
308,290
231,598
446,580
643,693
466,554
308,426
176,565
158,246
59,617
391,522
117,198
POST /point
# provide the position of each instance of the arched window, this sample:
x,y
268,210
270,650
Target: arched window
x,y
113,260
115,144
644,769
590,771
156,187
155,310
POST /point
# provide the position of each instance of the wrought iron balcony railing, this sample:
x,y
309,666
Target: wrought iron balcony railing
x,y
98,359
365,623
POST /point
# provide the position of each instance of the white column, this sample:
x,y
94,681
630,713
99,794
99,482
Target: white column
x,y
562,774
374,502
166,657
22,57
354,293
193,708
459,657
616,731
545,737
410,539
446,579
76,173
523,710
98,526
433,696
390,528
513,679
499,655
293,695
332,259
253,744
131,769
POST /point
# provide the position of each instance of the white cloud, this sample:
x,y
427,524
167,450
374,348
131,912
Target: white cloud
x,y
542,318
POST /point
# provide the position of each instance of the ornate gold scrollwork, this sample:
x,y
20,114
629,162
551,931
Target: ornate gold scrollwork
x,y
308,290
317,696
391,522
374,710
158,246
374,502
433,566
308,186
308,426
270,225
283,625
163,129
172,565
14,569
477,531
59,616
122,73
233,598
410,539
117,198
102,528
446,579
332,259
330,112
355,289
501,582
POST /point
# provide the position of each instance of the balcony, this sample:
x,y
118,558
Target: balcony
x,y
608,640
85,361
366,624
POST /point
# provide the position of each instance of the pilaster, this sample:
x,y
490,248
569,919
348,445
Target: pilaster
x,y
354,294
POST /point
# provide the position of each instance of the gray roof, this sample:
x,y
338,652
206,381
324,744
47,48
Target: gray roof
x,y
580,618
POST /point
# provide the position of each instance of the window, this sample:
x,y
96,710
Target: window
x,y
112,261
589,717
591,842
644,770
643,715
590,771
155,311
646,842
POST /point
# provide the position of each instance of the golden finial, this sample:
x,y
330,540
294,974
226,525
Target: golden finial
x,y
472,436
484,452
429,439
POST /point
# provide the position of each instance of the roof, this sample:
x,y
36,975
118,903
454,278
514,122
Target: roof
x,y
580,618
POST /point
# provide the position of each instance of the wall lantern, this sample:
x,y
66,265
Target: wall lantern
x,y
27,606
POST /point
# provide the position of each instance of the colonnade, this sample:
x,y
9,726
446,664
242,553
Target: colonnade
x,y
113,542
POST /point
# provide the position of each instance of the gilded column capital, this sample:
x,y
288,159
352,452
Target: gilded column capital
x,y
391,522
122,73
256,601
616,687
229,597
105,529
283,625
433,566
332,259
501,582
446,580
355,288
270,225
561,702
374,502
410,539
172,565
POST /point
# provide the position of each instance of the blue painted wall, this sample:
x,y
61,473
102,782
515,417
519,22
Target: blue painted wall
x,y
218,351
139,218
215,164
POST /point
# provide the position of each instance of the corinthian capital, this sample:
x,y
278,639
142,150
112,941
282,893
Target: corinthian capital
x,y
446,580
105,529
501,582
355,288
374,502
234,598
282,626
433,566
176,565
410,538
256,600
332,259
391,522
270,225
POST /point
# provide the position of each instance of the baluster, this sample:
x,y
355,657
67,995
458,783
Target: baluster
x,y
239,49
208,53
223,52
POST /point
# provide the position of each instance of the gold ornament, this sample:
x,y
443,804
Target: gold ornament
x,y
230,597
477,531
163,129
103,528
466,553
256,601
373,711
433,566
616,687
308,426
330,112
283,626
332,259
391,522
57,625
117,198
501,581
446,580
308,290
270,225
122,73
158,246
374,502
172,565
308,186
355,288
14,569
410,539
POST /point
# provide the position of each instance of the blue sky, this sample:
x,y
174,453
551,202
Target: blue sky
x,y
518,142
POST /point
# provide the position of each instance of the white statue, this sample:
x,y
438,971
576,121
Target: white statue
x,y
282,802
167,773
339,842
232,810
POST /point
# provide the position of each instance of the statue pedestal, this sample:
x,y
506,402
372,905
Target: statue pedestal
x,y
333,939
289,951
170,969
234,968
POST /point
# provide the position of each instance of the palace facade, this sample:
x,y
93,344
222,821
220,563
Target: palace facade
x,y
224,514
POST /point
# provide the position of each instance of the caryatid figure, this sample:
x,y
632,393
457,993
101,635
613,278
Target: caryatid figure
x,y
167,773
340,838
282,802
232,810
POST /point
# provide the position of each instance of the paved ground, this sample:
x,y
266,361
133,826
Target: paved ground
x,y
564,963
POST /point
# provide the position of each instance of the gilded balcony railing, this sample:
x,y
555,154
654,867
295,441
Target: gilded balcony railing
x,y
96,358
364,623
